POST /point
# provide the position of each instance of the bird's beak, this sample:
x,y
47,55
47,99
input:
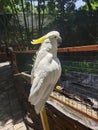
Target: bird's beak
x,y
59,40
39,40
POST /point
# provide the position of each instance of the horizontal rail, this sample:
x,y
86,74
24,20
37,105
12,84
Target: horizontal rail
x,y
79,48
67,49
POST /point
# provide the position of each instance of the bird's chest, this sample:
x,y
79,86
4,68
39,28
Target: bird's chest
x,y
54,65
48,64
54,70
43,62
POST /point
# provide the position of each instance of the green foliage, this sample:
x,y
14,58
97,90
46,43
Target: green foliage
x,y
34,58
85,67
77,27
5,5
51,6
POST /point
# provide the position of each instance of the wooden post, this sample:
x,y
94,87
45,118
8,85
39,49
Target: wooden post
x,y
44,119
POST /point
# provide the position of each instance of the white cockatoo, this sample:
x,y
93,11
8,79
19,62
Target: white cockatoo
x,y
46,70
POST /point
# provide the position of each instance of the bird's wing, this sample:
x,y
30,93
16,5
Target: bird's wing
x,y
39,73
43,85
38,84
45,77
40,62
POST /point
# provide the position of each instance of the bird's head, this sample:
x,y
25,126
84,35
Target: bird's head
x,y
53,35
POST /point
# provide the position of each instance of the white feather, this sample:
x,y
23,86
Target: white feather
x,y
45,73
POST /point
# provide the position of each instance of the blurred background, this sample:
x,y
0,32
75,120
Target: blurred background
x,y
23,20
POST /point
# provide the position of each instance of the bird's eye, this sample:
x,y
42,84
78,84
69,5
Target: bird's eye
x,y
55,37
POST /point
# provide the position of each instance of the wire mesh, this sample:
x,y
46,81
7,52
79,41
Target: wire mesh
x,y
79,80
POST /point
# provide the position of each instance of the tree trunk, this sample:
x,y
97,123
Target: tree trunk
x,y
26,28
39,18
89,6
32,17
